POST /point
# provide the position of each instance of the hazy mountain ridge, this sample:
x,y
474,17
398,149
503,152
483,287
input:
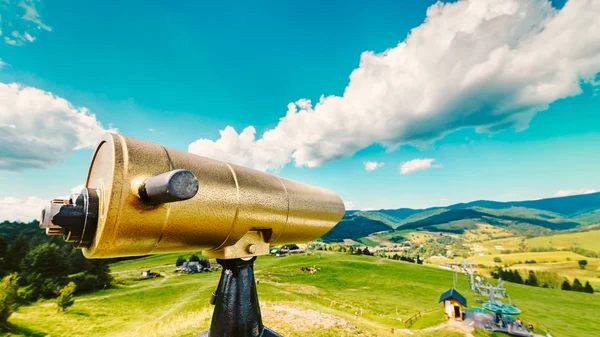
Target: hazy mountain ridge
x,y
560,213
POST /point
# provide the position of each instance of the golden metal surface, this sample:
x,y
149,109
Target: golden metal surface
x,y
234,208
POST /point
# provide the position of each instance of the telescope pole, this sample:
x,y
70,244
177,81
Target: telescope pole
x,y
237,312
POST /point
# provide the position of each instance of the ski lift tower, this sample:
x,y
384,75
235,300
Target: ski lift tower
x,y
467,267
495,293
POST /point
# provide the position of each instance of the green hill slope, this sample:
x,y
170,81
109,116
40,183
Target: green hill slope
x,y
554,213
354,227
590,217
295,303
480,213
562,205
379,216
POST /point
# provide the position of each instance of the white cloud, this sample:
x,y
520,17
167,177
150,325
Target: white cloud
x,y
31,14
14,209
564,193
372,165
19,39
350,206
417,165
77,188
152,130
484,64
39,129
22,17
2,64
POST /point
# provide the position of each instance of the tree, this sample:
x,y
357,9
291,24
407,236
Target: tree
x,y
205,263
77,262
194,258
532,280
180,261
65,299
565,285
576,285
588,288
582,264
3,252
99,270
16,253
95,277
8,297
44,270
497,259
517,277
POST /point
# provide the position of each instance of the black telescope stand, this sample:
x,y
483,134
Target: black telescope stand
x,y
237,312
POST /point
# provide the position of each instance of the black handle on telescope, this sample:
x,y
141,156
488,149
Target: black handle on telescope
x,y
176,185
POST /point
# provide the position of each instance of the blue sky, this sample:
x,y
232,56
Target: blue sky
x,y
177,73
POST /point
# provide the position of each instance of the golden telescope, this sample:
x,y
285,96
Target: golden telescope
x,y
142,198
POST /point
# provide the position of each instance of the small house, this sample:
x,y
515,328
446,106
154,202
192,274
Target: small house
x,y
292,249
454,303
190,267
277,253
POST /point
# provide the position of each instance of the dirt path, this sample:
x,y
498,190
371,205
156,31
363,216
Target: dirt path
x,y
449,325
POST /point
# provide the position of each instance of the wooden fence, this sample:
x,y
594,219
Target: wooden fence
x,y
412,319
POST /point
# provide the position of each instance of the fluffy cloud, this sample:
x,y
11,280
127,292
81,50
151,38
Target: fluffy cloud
x,y
372,165
13,209
349,205
38,129
417,165
484,64
564,193
21,18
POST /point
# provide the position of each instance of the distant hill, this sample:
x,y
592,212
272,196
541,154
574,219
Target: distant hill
x,y
563,205
590,217
354,227
461,214
559,213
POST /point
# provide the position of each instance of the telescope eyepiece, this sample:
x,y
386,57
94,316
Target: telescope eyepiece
x,y
75,219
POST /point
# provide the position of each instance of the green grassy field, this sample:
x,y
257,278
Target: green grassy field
x,y
293,302
368,242
383,239
586,240
539,257
571,270
497,245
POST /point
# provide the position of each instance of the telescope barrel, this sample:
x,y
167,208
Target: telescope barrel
x,y
151,199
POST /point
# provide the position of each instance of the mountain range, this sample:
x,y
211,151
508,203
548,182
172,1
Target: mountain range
x,y
555,214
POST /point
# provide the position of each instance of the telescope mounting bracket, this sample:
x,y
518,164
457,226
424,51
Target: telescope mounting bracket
x,y
237,312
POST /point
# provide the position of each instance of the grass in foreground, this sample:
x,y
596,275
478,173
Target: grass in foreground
x,y
295,303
